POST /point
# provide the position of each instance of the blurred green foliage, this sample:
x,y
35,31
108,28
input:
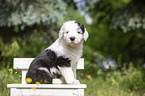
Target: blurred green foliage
x,y
130,17
115,42
18,48
21,39
102,40
28,13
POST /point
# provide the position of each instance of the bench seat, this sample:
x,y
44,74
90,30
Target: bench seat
x,y
43,89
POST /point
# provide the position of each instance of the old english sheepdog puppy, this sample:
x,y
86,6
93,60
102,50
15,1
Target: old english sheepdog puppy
x,y
60,59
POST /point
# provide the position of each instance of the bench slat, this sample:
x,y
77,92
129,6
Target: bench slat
x,y
24,63
45,92
57,86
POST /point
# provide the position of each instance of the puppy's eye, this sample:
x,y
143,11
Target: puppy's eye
x,y
79,32
67,32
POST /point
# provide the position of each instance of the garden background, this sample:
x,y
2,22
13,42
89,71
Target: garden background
x,y
114,53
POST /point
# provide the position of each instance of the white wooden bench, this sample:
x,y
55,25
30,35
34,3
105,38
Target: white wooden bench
x,y
43,89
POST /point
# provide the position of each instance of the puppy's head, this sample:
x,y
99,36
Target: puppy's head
x,y
73,33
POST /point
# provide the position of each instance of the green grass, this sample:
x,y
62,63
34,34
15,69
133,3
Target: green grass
x,y
8,77
100,87
115,83
128,82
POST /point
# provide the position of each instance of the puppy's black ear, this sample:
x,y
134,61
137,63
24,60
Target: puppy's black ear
x,y
82,26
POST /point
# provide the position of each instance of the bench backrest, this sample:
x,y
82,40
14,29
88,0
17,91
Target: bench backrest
x,y
24,63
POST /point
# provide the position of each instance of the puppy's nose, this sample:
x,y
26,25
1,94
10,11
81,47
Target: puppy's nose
x,y
72,38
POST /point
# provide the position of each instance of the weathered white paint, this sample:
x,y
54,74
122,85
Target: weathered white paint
x,y
24,63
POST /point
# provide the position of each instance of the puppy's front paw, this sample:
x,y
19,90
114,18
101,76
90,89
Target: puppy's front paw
x,y
57,81
73,81
76,82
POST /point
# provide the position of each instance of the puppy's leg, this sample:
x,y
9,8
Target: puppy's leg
x,y
57,81
39,76
68,75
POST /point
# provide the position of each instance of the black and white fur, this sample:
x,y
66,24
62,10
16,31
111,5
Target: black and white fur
x,y
60,59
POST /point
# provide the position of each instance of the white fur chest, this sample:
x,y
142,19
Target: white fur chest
x,y
62,49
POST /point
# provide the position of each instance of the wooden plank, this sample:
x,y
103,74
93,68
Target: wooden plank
x,y
24,72
81,92
24,63
13,91
80,64
43,86
45,92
